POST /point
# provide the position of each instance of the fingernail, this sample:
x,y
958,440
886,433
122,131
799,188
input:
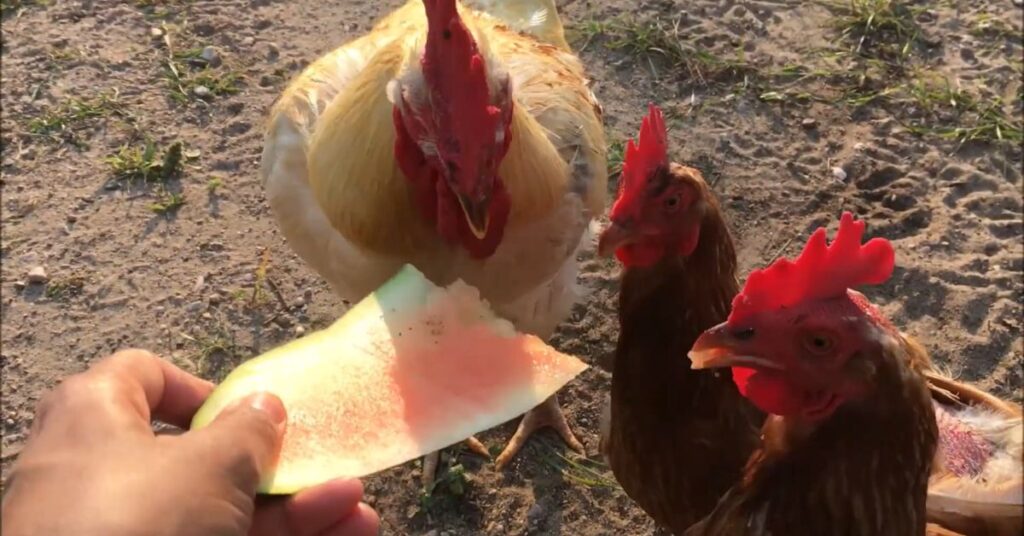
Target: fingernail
x,y
268,404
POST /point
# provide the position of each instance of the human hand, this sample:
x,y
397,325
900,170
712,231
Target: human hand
x,y
93,465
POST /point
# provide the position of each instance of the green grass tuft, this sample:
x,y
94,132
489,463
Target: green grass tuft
x,y
13,7
143,163
63,122
577,469
880,28
214,184
186,71
168,202
615,156
59,290
658,40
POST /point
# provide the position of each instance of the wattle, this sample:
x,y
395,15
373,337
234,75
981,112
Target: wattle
x,y
640,254
769,391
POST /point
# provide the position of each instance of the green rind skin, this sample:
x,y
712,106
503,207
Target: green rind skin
x,y
408,288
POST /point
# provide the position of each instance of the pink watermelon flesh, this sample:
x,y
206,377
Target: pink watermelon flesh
x,y
411,369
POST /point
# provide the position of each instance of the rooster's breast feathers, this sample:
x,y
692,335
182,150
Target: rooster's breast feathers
x,y
342,203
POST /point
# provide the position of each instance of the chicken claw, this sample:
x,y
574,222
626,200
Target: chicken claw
x,y
548,413
430,460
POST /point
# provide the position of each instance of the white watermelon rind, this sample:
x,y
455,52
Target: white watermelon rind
x,y
409,291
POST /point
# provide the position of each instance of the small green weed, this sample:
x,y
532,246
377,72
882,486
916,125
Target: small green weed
x,y
214,184
656,39
988,26
64,122
615,156
58,290
162,9
168,202
143,163
216,351
12,7
577,469
189,77
447,487
955,113
880,28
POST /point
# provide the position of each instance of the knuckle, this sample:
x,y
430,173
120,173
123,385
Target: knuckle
x,y
126,358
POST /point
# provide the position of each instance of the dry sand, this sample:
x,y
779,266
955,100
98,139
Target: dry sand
x,y
182,283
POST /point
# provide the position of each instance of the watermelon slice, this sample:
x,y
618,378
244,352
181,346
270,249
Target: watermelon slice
x,y
411,369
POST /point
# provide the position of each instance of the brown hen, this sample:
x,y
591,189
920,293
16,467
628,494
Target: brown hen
x,y
851,439
675,438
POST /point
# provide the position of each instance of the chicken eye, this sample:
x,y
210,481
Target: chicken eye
x,y
818,343
744,334
672,202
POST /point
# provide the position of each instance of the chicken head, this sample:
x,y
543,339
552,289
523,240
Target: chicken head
x,y
660,204
800,341
452,117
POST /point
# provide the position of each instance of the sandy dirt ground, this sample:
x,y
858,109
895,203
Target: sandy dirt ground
x,y
115,235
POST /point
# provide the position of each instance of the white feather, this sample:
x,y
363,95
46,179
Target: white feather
x,y
998,490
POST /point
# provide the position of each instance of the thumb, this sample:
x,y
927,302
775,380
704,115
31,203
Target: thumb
x,y
242,442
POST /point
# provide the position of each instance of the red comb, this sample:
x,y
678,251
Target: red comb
x,y
643,157
821,271
457,80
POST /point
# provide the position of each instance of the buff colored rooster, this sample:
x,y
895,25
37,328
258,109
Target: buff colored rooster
x,y
459,137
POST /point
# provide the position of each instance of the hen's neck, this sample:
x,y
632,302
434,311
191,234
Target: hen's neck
x,y
865,469
677,438
679,297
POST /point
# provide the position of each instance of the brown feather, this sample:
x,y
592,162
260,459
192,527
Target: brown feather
x,y
677,438
864,471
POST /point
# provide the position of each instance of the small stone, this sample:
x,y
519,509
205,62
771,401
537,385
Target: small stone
x,y
71,218
201,91
37,276
204,29
212,246
19,285
156,32
210,56
111,185
273,52
206,316
214,299
860,147
283,321
809,123
535,514
300,331
194,307
248,41
839,174
307,295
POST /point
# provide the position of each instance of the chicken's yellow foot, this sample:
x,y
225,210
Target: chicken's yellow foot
x,y
547,414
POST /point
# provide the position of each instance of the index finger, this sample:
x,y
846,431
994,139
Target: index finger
x,y
153,387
